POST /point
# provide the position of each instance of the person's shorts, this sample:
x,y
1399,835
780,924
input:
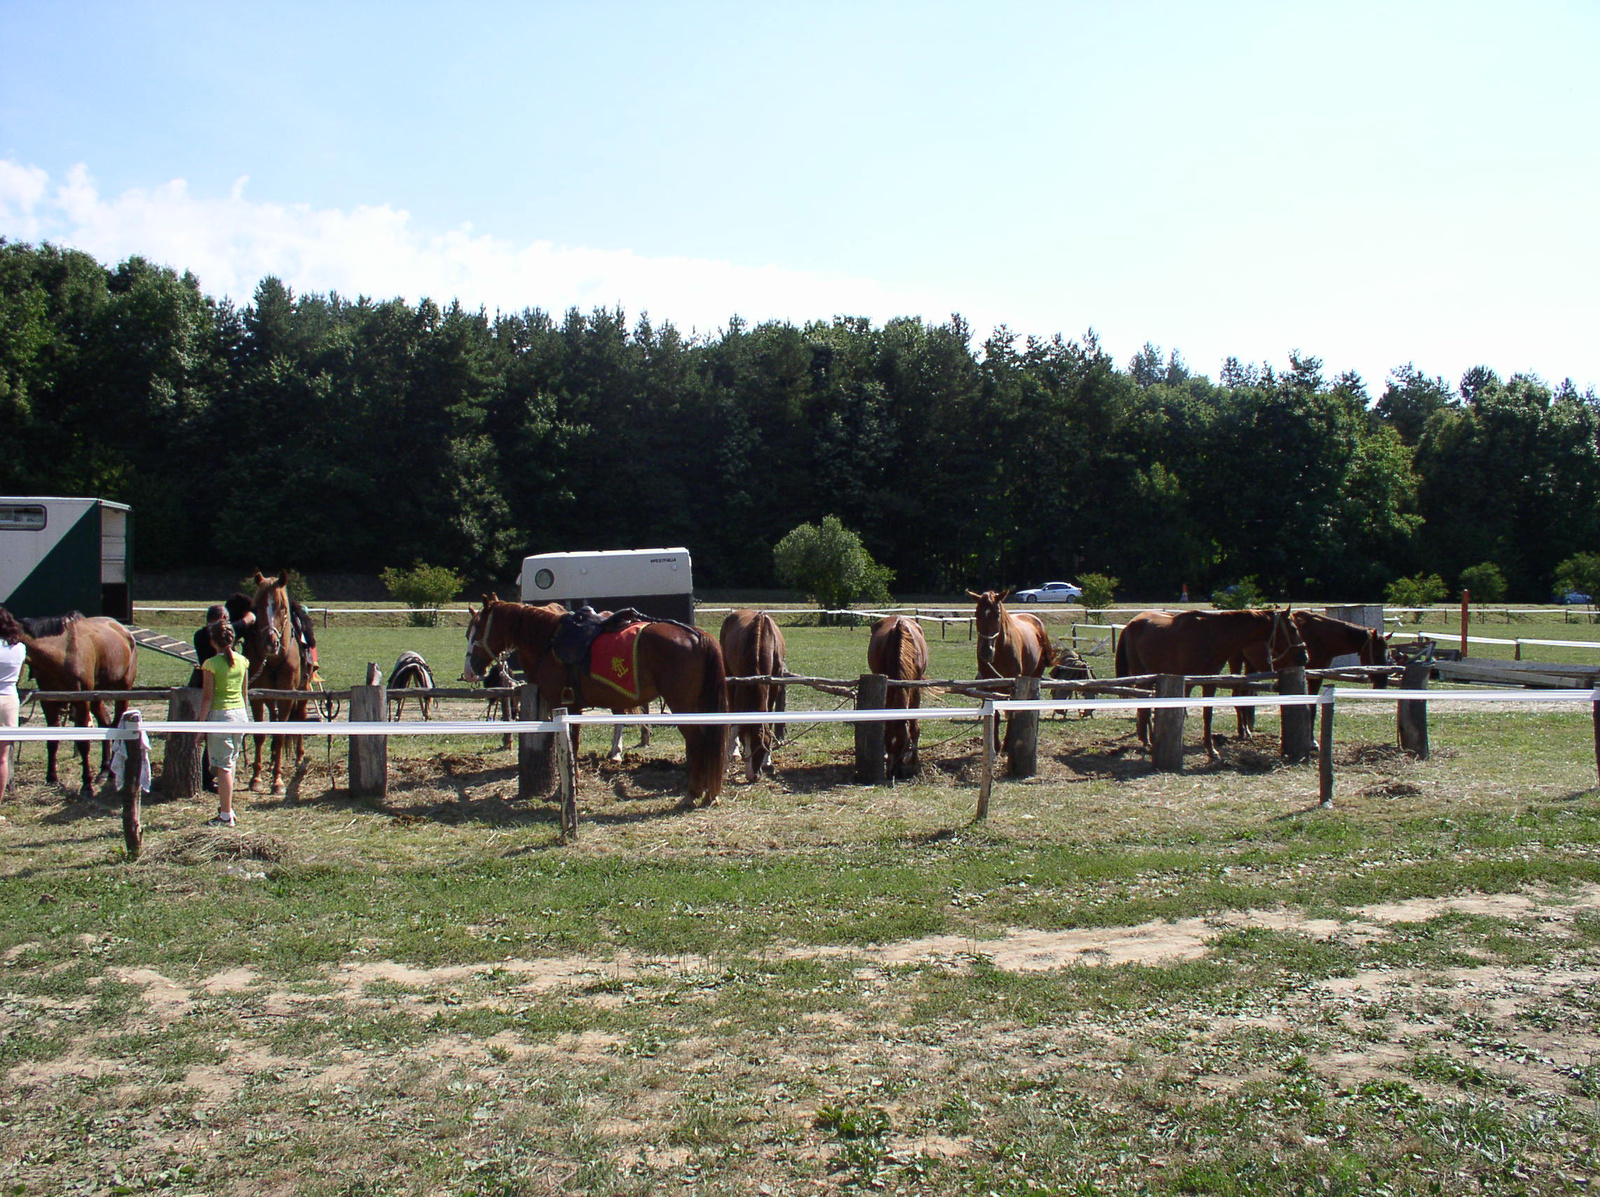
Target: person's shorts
x,y
223,747
9,710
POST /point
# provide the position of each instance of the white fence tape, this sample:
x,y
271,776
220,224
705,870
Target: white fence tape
x,y
883,715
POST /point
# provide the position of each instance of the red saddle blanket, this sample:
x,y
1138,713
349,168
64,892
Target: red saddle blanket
x,y
614,660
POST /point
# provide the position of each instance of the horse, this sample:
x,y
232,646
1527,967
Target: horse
x,y
673,661
899,651
410,672
80,652
1201,643
1009,645
502,674
273,651
752,646
1325,638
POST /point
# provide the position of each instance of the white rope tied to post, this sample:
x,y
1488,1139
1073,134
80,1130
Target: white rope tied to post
x,y
131,723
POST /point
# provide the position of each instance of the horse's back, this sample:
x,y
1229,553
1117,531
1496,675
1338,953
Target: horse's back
x,y
752,646
898,650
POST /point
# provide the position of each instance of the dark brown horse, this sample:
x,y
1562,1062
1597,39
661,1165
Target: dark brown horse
x,y
275,664
752,646
1009,645
1325,638
80,652
1200,644
899,651
681,664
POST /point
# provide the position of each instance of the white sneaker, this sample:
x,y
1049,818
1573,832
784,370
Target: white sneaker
x,y
221,820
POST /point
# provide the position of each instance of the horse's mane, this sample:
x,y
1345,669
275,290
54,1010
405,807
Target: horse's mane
x,y
39,626
903,651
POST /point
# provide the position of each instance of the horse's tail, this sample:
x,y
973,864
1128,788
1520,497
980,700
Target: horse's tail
x,y
1048,654
706,743
1123,669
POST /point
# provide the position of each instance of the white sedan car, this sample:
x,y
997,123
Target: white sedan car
x,y
1051,592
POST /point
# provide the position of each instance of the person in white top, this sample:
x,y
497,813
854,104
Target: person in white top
x,y
12,654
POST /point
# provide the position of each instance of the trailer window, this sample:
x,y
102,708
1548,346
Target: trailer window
x,y
544,579
22,519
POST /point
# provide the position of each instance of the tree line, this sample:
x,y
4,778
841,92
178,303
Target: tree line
x,y
324,433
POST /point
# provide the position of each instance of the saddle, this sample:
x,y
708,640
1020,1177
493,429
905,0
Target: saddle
x,y
410,669
575,636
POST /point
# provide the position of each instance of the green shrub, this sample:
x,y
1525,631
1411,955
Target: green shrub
x,y
425,587
1242,594
830,566
1580,572
1098,590
1421,591
1485,583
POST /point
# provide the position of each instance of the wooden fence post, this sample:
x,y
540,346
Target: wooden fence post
x,y
566,776
536,774
132,823
1325,746
180,766
1597,729
1412,714
1298,724
1166,726
872,694
1022,732
369,755
989,723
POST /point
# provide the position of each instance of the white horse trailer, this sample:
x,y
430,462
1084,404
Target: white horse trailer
x,y
657,582
59,555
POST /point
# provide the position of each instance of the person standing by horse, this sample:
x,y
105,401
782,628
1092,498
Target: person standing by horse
x,y
203,652
224,698
12,654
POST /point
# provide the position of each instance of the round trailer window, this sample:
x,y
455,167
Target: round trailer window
x,y
544,579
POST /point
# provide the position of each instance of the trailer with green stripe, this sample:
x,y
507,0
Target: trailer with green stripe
x,y
60,554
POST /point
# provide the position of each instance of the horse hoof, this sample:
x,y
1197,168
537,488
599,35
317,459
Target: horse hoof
x,y
614,759
277,790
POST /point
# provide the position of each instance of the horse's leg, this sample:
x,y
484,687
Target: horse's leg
x,y
1205,718
615,755
52,717
105,719
644,729
257,710
80,716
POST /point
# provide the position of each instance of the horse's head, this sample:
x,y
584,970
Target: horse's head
x,y
270,606
1285,647
990,620
1375,651
491,633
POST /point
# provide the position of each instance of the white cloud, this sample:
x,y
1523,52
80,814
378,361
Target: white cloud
x,y
232,242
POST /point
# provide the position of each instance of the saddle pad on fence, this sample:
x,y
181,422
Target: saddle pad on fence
x,y
614,660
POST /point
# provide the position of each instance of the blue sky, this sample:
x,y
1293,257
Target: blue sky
x,y
1369,183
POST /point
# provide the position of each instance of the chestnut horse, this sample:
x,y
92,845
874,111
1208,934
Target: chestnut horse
x,y
275,664
1325,638
899,651
80,652
1200,644
676,662
1009,645
752,646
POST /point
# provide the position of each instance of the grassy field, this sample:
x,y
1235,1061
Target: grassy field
x,y
1120,983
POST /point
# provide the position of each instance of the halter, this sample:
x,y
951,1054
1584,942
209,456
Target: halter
x,y
481,640
1280,623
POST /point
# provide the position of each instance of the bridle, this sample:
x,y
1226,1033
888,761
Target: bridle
x,y
481,641
989,642
1286,643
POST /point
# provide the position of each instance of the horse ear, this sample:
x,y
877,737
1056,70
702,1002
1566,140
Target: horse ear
x,y
975,595
258,578
1003,595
